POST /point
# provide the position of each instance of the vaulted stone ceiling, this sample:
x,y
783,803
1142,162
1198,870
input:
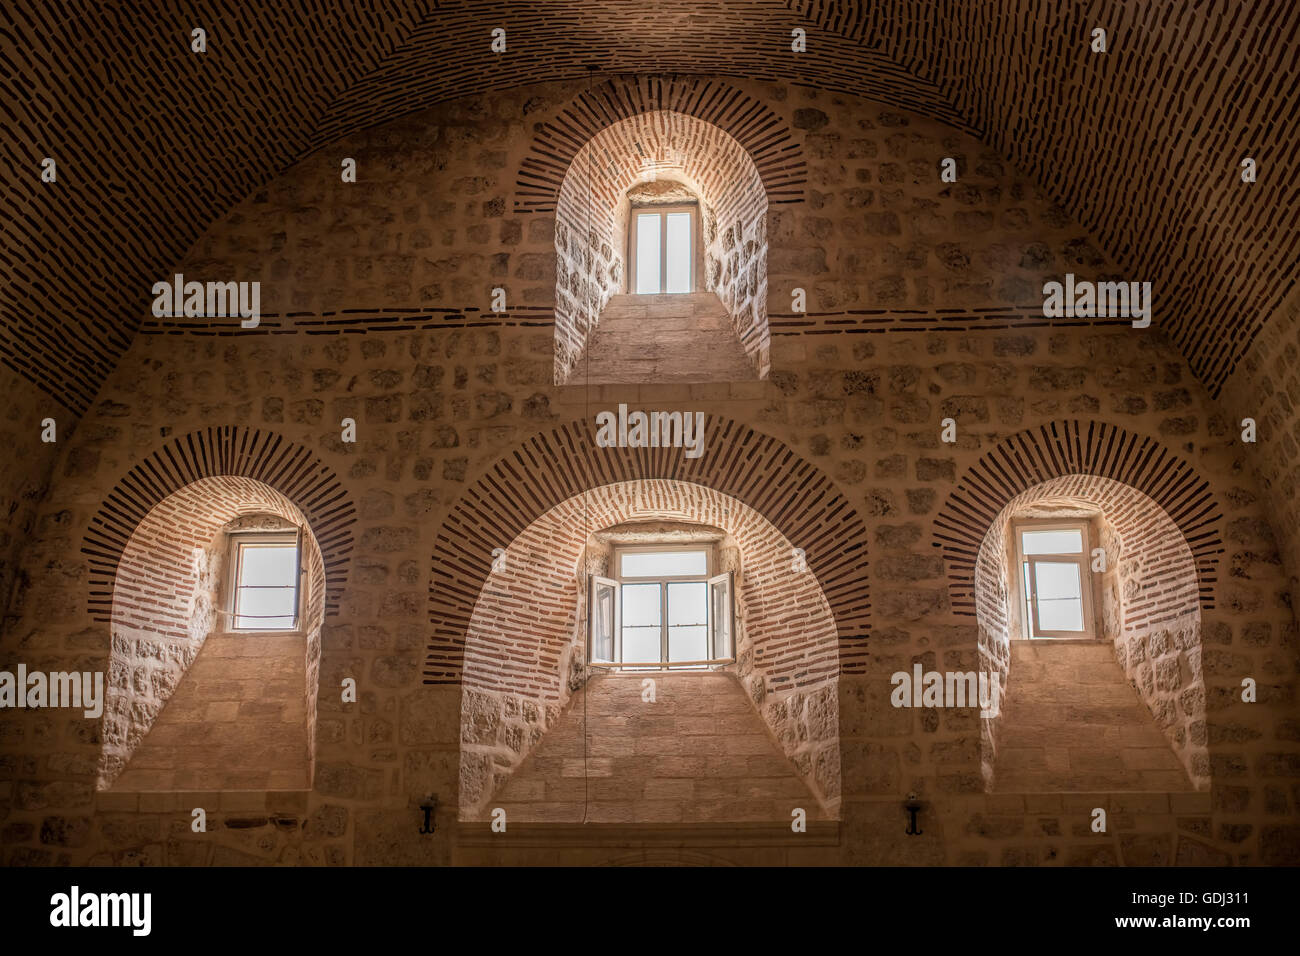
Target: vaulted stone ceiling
x,y
153,143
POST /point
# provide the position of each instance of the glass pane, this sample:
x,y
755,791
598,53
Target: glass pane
x,y
647,253
1062,541
1060,595
602,637
688,626
641,623
265,609
1028,624
722,620
267,591
658,564
641,645
679,252
268,565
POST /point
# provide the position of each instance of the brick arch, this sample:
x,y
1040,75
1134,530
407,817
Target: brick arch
x,y
163,617
541,563
1149,610
1153,548
1060,449
551,467
525,650
768,140
590,226
222,451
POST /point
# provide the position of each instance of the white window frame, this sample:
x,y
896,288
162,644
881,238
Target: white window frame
x,y
245,539
693,209
1029,602
597,585
712,581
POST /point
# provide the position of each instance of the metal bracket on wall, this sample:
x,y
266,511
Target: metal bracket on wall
x,y
912,806
430,807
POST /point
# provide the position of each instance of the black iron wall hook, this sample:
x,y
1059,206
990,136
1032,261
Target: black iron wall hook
x,y
912,806
429,807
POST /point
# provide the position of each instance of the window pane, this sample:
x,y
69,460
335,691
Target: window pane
x,y
265,608
647,253
688,629
679,252
641,623
654,564
268,565
1064,541
602,637
267,595
1059,595
641,645
640,605
720,592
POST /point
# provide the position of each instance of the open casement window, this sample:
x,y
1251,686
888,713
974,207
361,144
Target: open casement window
x,y
662,248
603,610
721,616
661,610
1053,562
265,576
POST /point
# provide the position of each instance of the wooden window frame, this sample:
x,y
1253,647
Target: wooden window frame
x,y
1087,581
696,257
709,579
242,539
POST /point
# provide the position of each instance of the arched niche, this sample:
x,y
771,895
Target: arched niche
x,y
525,649
1147,610
188,706
591,220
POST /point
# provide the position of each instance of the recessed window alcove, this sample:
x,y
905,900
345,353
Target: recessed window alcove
x,y
660,235
1087,599
712,695
218,603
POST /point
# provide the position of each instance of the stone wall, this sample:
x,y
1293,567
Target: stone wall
x,y
1265,387
236,722
924,303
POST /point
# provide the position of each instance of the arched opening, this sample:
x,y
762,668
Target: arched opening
x,y
218,601
745,736
829,534
1087,599
661,242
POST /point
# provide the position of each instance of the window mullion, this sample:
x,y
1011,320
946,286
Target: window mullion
x,y
236,576
297,576
663,252
1085,592
663,622
695,245
1034,627
618,630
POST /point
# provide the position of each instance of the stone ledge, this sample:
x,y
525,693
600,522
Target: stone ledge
x,y
1050,801
479,834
